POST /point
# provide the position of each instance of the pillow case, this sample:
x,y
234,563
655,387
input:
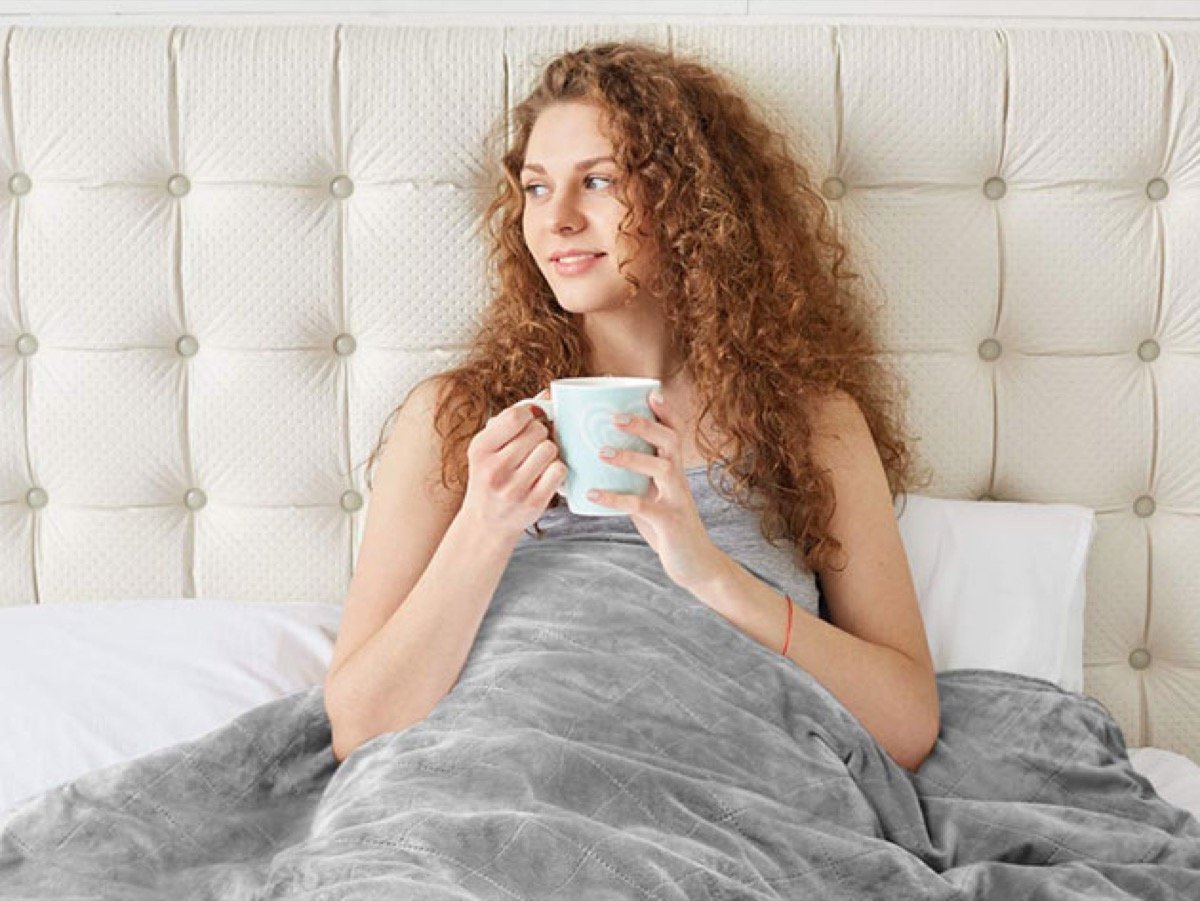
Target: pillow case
x,y
89,684
1001,584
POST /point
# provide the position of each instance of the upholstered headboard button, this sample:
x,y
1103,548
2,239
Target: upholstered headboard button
x,y
195,499
1144,505
187,345
989,349
27,345
178,185
833,188
36,498
995,187
1156,189
351,500
341,187
1148,350
344,344
1139,659
19,183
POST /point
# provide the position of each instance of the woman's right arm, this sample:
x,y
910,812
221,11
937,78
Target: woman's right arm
x,y
429,565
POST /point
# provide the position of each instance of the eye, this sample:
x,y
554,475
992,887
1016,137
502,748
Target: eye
x,y
529,188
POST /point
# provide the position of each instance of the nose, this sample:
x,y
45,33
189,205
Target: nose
x,y
564,214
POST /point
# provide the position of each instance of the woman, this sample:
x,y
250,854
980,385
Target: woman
x,y
699,255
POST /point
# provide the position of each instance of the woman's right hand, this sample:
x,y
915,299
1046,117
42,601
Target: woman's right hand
x,y
513,470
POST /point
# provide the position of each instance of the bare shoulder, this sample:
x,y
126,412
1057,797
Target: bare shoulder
x,y
840,434
414,443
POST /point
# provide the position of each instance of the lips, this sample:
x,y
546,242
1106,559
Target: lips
x,y
573,256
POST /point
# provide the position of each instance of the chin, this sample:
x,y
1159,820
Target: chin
x,y
584,302
596,293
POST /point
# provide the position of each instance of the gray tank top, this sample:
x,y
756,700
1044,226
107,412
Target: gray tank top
x,y
732,527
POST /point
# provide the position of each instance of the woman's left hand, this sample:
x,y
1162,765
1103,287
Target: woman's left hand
x,y
666,515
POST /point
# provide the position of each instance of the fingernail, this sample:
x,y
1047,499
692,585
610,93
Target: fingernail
x,y
593,495
656,397
621,418
607,452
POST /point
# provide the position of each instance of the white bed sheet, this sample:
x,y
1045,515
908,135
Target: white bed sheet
x,y
1174,777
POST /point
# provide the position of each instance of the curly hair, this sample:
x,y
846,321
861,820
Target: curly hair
x,y
752,287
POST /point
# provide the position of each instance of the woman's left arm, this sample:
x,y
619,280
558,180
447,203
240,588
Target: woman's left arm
x,y
874,658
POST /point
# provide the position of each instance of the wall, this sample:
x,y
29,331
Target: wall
x,y
37,10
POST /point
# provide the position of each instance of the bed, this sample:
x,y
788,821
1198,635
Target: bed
x,y
229,250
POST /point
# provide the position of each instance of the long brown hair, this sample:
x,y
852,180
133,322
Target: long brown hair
x,y
752,286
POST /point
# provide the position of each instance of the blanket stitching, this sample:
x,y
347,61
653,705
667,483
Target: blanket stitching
x,y
129,800
721,806
504,847
621,790
1046,781
970,768
575,720
583,858
705,871
588,854
838,862
788,877
1163,846
413,846
613,780
170,819
274,844
12,833
1096,806
271,766
493,681
1023,831
590,851
542,725
407,832
253,784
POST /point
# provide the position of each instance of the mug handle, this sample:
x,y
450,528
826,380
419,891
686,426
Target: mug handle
x,y
548,406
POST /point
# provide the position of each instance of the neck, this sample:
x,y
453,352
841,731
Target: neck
x,y
628,342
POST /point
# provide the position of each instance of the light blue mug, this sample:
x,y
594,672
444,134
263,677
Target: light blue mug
x,y
582,412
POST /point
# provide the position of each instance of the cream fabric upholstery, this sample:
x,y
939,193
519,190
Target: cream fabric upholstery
x,y
228,252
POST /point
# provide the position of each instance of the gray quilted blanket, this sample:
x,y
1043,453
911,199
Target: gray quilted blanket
x,y
611,737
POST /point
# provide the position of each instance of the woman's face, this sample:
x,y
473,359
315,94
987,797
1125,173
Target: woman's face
x,y
569,183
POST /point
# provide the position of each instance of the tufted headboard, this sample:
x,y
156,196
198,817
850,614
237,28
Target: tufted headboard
x,y
226,254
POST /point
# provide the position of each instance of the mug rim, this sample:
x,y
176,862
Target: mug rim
x,y
604,381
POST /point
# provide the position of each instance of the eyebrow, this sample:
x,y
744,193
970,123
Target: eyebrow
x,y
582,164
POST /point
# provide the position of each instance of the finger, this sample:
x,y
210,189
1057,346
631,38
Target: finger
x,y
505,426
515,451
553,478
663,437
627,503
536,459
643,464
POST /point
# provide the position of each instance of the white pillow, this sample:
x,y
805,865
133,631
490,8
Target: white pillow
x,y
89,684
1000,584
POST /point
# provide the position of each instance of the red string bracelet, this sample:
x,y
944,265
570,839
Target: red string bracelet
x,y
787,640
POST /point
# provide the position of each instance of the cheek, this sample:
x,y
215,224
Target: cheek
x,y
526,236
